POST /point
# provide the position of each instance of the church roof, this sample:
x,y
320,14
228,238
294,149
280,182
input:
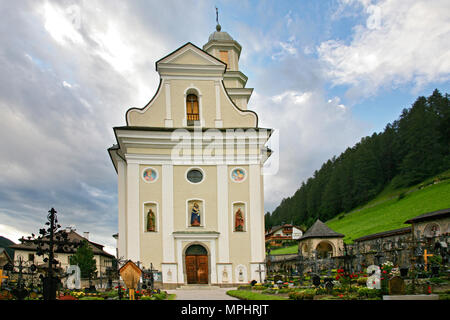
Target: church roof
x,y
222,38
430,216
220,35
320,230
384,234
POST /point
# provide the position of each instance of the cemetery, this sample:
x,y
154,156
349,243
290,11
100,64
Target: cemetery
x,y
404,264
410,266
357,275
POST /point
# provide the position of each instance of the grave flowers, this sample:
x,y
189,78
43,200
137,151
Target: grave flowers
x,y
387,267
345,277
77,294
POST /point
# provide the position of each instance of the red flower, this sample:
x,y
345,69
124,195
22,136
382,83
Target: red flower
x,y
384,271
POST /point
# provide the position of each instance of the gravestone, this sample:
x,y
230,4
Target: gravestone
x,y
329,284
396,286
315,280
374,275
74,279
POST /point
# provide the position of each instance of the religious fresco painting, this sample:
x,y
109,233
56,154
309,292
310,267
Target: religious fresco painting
x,y
150,175
238,175
239,217
150,217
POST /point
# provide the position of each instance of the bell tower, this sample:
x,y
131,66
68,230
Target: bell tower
x,y
222,46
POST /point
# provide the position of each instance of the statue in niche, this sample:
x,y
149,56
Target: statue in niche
x,y
151,221
195,215
225,276
241,275
239,221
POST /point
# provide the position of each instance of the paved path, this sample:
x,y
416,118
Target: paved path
x,y
202,294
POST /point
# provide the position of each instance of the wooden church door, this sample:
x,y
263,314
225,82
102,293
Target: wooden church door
x,y
196,265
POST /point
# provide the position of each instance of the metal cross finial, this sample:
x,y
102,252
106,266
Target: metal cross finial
x,y
217,15
218,27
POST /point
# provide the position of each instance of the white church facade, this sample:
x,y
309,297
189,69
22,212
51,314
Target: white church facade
x,y
189,166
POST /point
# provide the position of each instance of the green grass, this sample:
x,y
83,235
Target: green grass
x,y
249,295
388,212
286,250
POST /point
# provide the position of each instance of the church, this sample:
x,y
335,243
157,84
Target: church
x,y
189,166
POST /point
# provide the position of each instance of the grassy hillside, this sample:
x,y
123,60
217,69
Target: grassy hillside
x,y
390,209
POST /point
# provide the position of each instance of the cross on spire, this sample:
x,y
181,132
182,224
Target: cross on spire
x,y
217,15
218,27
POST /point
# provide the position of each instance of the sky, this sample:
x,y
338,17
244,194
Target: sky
x,y
324,73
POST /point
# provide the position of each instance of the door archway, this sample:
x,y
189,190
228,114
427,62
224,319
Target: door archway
x,y
196,262
324,249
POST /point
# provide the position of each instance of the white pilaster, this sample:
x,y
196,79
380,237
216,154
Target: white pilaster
x,y
222,212
133,230
167,214
168,122
218,123
256,223
213,274
122,203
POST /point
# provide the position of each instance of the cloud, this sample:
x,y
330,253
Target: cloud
x,y
68,73
311,128
401,42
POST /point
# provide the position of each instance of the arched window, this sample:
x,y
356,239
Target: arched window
x,y
192,109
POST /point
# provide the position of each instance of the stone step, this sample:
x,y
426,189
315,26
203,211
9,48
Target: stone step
x,y
198,287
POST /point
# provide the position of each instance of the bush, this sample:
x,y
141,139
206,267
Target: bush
x,y
259,287
111,293
321,291
160,296
338,291
437,280
369,293
362,281
307,294
285,290
91,298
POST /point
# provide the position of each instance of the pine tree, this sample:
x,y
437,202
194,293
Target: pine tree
x,y
84,258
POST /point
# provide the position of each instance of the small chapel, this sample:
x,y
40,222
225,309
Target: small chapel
x,y
189,166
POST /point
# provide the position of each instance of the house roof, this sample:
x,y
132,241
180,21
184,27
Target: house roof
x,y
430,216
4,253
276,228
320,230
73,237
384,234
